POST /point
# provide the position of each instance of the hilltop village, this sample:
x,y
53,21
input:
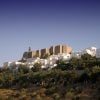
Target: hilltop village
x,y
48,57
54,73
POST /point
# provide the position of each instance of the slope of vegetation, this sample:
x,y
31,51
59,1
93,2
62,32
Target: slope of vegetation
x,y
77,80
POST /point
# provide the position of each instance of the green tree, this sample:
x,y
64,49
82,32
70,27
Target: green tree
x,y
74,62
36,67
86,57
23,69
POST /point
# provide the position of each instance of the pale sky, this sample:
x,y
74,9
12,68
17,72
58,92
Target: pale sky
x,y
42,23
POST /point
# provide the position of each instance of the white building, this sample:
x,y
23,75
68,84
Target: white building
x,y
91,51
15,65
52,59
64,57
12,64
6,64
31,61
44,62
98,53
76,54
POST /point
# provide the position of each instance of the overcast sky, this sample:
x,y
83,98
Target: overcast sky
x,y
42,23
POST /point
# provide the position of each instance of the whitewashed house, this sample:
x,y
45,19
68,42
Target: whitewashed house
x,y
98,53
44,62
91,51
64,57
76,54
52,59
31,61
6,64
15,65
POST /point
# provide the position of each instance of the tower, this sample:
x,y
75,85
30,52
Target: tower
x,y
29,50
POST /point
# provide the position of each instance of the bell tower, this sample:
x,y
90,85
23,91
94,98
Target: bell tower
x,y
29,50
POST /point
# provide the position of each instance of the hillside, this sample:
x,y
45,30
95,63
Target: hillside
x,y
77,80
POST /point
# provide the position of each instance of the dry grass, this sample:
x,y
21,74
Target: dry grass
x,y
40,94
23,94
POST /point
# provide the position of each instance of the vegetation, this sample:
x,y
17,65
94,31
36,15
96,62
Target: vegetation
x,y
77,80
36,67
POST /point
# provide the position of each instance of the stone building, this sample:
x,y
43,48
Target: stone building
x,y
59,49
38,53
31,54
66,49
43,53
51,50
